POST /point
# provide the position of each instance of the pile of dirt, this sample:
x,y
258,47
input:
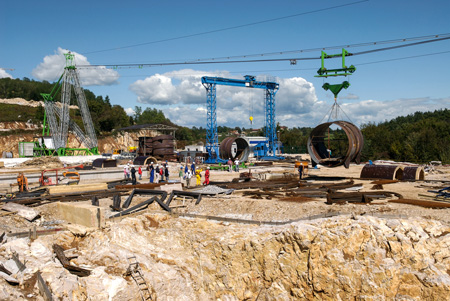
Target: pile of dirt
x,y
44,162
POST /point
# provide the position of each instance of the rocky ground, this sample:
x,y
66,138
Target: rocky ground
x,y
379,251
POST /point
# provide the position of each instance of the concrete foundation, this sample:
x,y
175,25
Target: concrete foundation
x,y
82,214
171,186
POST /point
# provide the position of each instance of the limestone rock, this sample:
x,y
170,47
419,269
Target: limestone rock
x,y
337,258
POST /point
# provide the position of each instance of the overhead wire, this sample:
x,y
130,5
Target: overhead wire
x,y
298,69
364,44
227,28
141,65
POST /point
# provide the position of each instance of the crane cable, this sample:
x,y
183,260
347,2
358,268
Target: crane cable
x,y
229,28
137,65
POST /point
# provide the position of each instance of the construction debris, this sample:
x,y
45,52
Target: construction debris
x,y
80,272
43,288
423,203
65,197
162,196
358,197
441,193
184,193
137,229
161,193
23,211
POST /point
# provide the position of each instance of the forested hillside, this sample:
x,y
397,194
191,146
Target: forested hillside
x,y
420,137
106,117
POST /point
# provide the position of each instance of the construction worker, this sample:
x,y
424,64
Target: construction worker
x,y
133,174
193,168
188,178
140,172
198,176
236,165
152,172
166,172
206,176
180,174
300,170
157,175
22,182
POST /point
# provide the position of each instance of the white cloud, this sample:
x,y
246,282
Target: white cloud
x,y
4,74
130,111
176,87
181,95
349,96
53,65
379,111
182,98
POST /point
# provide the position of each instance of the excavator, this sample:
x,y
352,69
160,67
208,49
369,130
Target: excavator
x,y
72,176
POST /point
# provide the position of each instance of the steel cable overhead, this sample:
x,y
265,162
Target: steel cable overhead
x,y
365,44
228,28
141,65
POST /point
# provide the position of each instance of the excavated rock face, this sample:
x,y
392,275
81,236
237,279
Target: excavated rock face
x,y
336,259
10,142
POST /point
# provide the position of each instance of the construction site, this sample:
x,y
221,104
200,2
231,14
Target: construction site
x,y
251,224
104,202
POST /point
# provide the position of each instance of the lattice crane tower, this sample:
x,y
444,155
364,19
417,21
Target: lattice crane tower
x,y
57,120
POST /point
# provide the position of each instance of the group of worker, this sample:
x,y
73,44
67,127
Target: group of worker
x,y
130,172
185,173
158,173
230,165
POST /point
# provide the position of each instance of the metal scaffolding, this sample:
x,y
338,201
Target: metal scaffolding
x,y
57,120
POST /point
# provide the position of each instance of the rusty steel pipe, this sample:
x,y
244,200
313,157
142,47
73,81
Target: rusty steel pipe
x,y
234,148
390,172
413,173
318,150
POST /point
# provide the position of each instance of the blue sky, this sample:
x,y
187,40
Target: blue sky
x,y
34,34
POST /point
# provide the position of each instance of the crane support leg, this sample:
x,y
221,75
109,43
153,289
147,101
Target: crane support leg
x,y
212,139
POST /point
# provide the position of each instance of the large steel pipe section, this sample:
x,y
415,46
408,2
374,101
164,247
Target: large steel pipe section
x,y
413,173
234,148
388,172
318,151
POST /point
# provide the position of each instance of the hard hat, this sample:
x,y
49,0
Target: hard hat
x,y
208,167
151,162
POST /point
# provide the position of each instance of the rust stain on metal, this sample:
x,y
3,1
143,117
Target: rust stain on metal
x,y
318,150
389,172
413,173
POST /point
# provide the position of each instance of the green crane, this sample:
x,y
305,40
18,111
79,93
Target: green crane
x,y
57,120
343,71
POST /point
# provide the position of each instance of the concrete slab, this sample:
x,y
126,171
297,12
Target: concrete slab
x,y
77,188
24,211
82,214
171,186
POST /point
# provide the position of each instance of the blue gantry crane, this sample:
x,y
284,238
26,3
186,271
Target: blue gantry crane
x,y
212,140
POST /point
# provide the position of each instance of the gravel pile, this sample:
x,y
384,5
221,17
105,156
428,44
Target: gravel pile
x,y
213,189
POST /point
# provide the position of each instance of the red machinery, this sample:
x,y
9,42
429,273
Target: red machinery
x,y
45,180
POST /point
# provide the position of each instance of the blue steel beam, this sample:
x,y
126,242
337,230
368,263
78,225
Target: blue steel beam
x,y
212,141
